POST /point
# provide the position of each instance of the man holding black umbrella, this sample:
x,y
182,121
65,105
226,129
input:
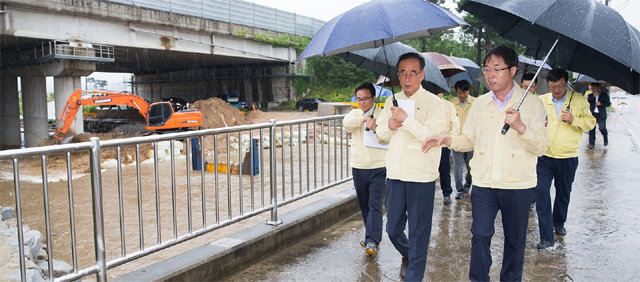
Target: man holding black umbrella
x,y
598,103
503,165
569,117
411,174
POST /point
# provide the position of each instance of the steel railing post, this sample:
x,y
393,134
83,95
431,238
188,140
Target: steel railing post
x,y
272,181
98,220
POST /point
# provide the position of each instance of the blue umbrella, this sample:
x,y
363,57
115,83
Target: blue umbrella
x,y
380,22
380,92
472,73
382,60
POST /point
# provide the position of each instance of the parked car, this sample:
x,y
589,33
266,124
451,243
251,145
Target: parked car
x,y
310,104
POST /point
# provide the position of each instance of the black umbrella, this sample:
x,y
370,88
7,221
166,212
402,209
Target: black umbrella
x,y
382,60
583,79
591,38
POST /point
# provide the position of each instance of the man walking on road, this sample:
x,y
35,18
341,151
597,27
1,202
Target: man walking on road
x,y
453,126
368,166
503,165
569,117
527,79
462,104
598,103
411,174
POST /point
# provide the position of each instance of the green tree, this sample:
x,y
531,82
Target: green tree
x,y
332,79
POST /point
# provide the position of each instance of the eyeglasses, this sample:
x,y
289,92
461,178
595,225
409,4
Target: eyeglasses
x,y
490,70
363,99
553,87
412,74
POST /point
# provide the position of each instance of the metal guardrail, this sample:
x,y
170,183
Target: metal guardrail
x,y
236,11
320,161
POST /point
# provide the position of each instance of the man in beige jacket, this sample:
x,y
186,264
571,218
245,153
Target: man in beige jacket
x,y
411,174
367,165
503,165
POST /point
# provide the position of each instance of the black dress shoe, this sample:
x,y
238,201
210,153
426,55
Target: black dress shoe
x,y
403,267
606,142
544,245
560,230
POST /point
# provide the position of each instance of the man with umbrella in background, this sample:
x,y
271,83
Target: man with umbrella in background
x,y
411,174
527,79
569,117
503,165
452,123
368,166
462,103
598,103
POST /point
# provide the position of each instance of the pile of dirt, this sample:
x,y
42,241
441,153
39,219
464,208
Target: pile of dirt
x,y
218,113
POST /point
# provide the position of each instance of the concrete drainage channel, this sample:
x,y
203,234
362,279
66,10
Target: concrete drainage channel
x,y
231,254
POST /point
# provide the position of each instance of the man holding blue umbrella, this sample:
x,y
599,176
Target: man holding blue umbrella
x,y
367,165
411,174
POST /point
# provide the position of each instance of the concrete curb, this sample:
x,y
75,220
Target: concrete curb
x,y
231,254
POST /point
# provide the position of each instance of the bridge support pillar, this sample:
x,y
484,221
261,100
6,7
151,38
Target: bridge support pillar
x,y
63,86
66,79
9,112
34,110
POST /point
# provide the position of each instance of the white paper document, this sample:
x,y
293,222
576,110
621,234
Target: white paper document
x,y
409,107
371,141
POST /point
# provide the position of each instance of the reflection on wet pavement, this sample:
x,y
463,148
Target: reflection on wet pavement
x,y
603,240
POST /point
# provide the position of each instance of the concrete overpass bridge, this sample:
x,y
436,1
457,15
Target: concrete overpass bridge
x,y
194,49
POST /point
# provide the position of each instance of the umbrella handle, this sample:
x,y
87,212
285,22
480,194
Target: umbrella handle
x,y
573,90
371,116
505,128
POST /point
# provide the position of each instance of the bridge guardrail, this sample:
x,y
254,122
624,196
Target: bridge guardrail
x,y
156,206
236,11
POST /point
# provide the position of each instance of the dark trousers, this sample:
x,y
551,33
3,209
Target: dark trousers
x,y
602,126
369,185
445,172
460,159
513,205
562,172
412,203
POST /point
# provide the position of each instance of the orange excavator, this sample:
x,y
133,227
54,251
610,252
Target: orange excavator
x,y
159,116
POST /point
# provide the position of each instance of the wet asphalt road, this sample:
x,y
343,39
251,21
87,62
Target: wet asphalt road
x,y
603,240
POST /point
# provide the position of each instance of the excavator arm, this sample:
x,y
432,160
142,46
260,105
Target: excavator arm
x,y
163,116
95,98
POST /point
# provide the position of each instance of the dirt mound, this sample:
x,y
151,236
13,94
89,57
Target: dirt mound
x,y
218,113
